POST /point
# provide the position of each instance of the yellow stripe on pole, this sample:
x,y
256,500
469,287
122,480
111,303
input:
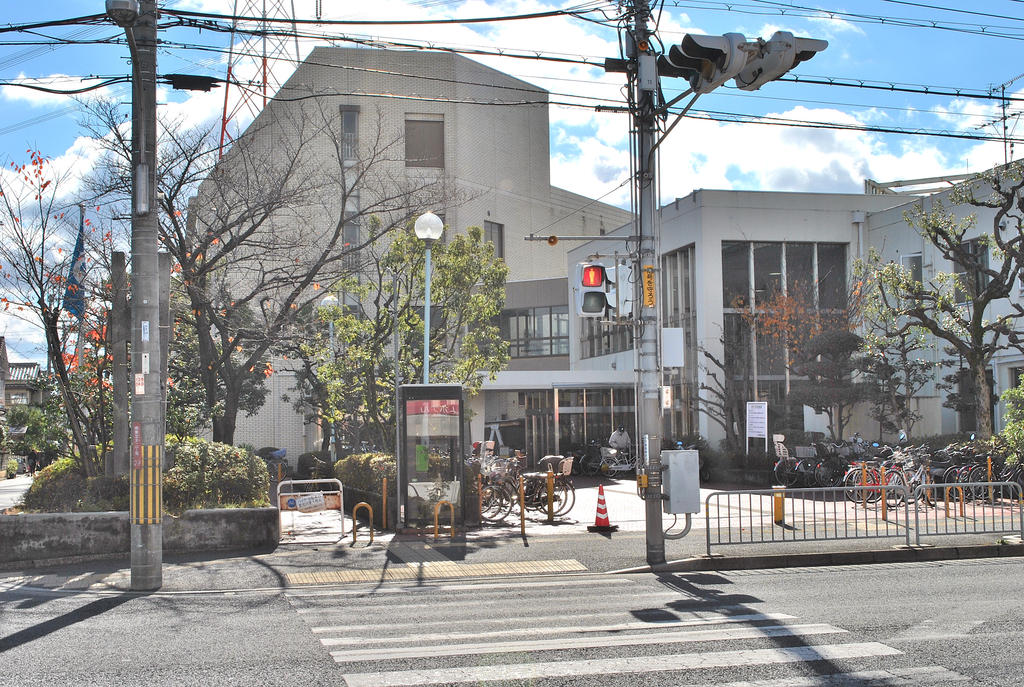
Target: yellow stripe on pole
x,y
146,488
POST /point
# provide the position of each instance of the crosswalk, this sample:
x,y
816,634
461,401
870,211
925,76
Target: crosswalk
x,y
588,630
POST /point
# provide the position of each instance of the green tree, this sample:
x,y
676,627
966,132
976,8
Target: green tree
x,y
353,385
1013,419
830,362
45,429
985,267
897,355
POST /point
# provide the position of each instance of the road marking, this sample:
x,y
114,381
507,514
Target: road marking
x,y
551,621
436,569
926,675
715,619
587,582
534,645
613,666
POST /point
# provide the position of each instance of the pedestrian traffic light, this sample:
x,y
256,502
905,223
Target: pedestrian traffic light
x,y
709,61
594,289
776,56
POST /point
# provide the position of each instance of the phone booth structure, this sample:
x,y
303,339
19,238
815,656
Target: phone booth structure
x,y
431,454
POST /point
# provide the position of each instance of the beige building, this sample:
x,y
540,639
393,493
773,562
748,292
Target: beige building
x,y
446,125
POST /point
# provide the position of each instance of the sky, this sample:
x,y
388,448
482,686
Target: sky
x,y
890,76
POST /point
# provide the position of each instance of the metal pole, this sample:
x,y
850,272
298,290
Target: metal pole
x,y
147,429
426,320
399,508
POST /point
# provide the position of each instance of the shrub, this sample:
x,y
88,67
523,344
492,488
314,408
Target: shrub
x,y
203,475
12,468
58,488
212,475
364,471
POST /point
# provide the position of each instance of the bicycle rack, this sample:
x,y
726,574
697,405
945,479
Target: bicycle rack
x,y
963,501
355,523
451,510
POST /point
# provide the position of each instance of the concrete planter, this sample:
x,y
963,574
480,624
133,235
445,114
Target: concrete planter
x,y
34,539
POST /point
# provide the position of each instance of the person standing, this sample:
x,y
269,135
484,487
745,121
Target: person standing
x,y
33,463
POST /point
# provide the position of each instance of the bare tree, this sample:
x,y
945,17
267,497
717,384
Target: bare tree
x,y
257,235
38,228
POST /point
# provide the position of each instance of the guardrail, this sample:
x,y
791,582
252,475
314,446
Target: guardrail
x,y
968,508
807,514
871,511
312,501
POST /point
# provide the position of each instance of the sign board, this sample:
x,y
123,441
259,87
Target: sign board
x,y
311,502
137,445
140,384
650,288
757,421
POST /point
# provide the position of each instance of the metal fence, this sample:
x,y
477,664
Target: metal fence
x,y
780,515
968,508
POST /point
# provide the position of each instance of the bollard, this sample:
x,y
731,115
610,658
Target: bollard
x,y
451,510
551,495
885,505
480,498
355,510
384,505
778,505
863,481
522,507
991,499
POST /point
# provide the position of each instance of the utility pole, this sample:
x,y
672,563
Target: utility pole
x,y
147,418
644,111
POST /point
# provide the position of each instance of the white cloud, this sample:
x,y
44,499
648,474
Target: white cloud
x,y
36,98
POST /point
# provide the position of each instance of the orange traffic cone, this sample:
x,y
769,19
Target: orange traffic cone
x,y
601,523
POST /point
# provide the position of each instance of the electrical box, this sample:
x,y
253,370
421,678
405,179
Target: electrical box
x,y
681,481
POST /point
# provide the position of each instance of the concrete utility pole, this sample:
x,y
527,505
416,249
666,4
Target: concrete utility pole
x,y
644,113
147,418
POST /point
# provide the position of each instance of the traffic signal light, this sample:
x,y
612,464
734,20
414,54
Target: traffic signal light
x,y
595,289
709,61
776,56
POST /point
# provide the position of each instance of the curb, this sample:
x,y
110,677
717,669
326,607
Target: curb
x,y
900,554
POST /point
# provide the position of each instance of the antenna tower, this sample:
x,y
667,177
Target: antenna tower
x,y
256,44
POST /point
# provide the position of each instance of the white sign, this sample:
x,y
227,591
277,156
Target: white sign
x,y
757,420
145,330
145,363
140,384
310,503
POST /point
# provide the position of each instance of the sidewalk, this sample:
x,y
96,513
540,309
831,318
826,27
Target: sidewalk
x,y
316,554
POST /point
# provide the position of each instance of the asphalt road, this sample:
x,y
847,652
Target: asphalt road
x,y
942,623
12,490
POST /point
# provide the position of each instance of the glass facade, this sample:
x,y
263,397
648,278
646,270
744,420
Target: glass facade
x,y
811,276
533,332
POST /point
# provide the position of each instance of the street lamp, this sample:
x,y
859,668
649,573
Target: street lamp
x,y
428,228
331,301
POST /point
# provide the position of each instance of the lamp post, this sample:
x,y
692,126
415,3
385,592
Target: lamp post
x,y
147,420
428,228
331,301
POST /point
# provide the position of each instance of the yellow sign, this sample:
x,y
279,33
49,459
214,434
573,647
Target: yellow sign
x,y
650,288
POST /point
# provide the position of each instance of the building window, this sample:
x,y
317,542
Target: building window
x,y
351,240
832,276
914,266
349,131
19,398
424,142
494,233
971,278
735,273
535,332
